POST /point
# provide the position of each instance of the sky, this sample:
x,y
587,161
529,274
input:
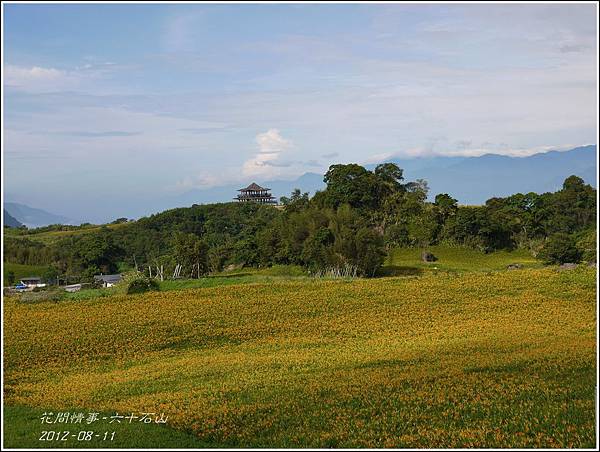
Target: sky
x,y
107,106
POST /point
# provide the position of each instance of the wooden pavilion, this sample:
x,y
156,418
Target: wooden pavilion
x,y
255,193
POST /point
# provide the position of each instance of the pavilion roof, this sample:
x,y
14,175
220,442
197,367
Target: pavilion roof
x,y
253,187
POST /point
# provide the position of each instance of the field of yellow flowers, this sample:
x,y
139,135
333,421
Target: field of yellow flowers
x,y
498,359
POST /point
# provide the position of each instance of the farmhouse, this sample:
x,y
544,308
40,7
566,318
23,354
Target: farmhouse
x,y
255,193
107,280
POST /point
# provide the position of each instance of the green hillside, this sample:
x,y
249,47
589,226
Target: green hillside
x,y
22,271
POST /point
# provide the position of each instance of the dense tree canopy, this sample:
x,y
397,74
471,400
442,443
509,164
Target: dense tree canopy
x,y
352,222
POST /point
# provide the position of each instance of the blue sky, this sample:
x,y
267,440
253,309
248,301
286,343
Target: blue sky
x,y
107,106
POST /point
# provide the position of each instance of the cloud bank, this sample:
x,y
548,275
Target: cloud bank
x,y
268,161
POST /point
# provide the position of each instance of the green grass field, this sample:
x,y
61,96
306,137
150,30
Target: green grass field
x,y
458,259
242,276
22,271
446,359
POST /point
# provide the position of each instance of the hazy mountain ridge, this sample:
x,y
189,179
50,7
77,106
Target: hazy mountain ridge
x,y
471,180
33,217
475,180
10,221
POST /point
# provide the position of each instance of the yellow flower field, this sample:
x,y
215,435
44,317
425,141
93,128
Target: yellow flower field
x,y
500,359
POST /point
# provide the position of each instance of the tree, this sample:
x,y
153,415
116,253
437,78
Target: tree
x,y
423,229
465,227
10,277
50,276
396,235
355,241
518,214
191,253
350,184
296,202
267,242
390,177
370,251
216,258
420,188
316,252
560,248
571,209
446,205
97,253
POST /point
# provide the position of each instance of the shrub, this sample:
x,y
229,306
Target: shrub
x,y
559,249
141,285
38,297
137,282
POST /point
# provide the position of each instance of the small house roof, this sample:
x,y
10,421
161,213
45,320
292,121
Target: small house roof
x,y
253,187
108,278
31,278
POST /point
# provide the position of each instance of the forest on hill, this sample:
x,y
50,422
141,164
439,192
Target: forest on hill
x,y
353,223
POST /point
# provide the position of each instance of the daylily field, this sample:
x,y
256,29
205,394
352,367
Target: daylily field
x,y
475,359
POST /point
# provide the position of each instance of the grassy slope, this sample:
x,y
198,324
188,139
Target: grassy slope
x,y
459,259
22,271
48,237
476,359
243,276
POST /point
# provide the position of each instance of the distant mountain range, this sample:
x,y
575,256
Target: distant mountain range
x,y
474,180
32,217
471,180
11,221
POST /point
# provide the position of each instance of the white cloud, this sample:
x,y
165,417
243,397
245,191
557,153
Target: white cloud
x,y
36,78
267,162
271,141
33,73
461,151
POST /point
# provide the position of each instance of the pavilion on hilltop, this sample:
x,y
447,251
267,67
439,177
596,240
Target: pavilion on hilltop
x,y
255,193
